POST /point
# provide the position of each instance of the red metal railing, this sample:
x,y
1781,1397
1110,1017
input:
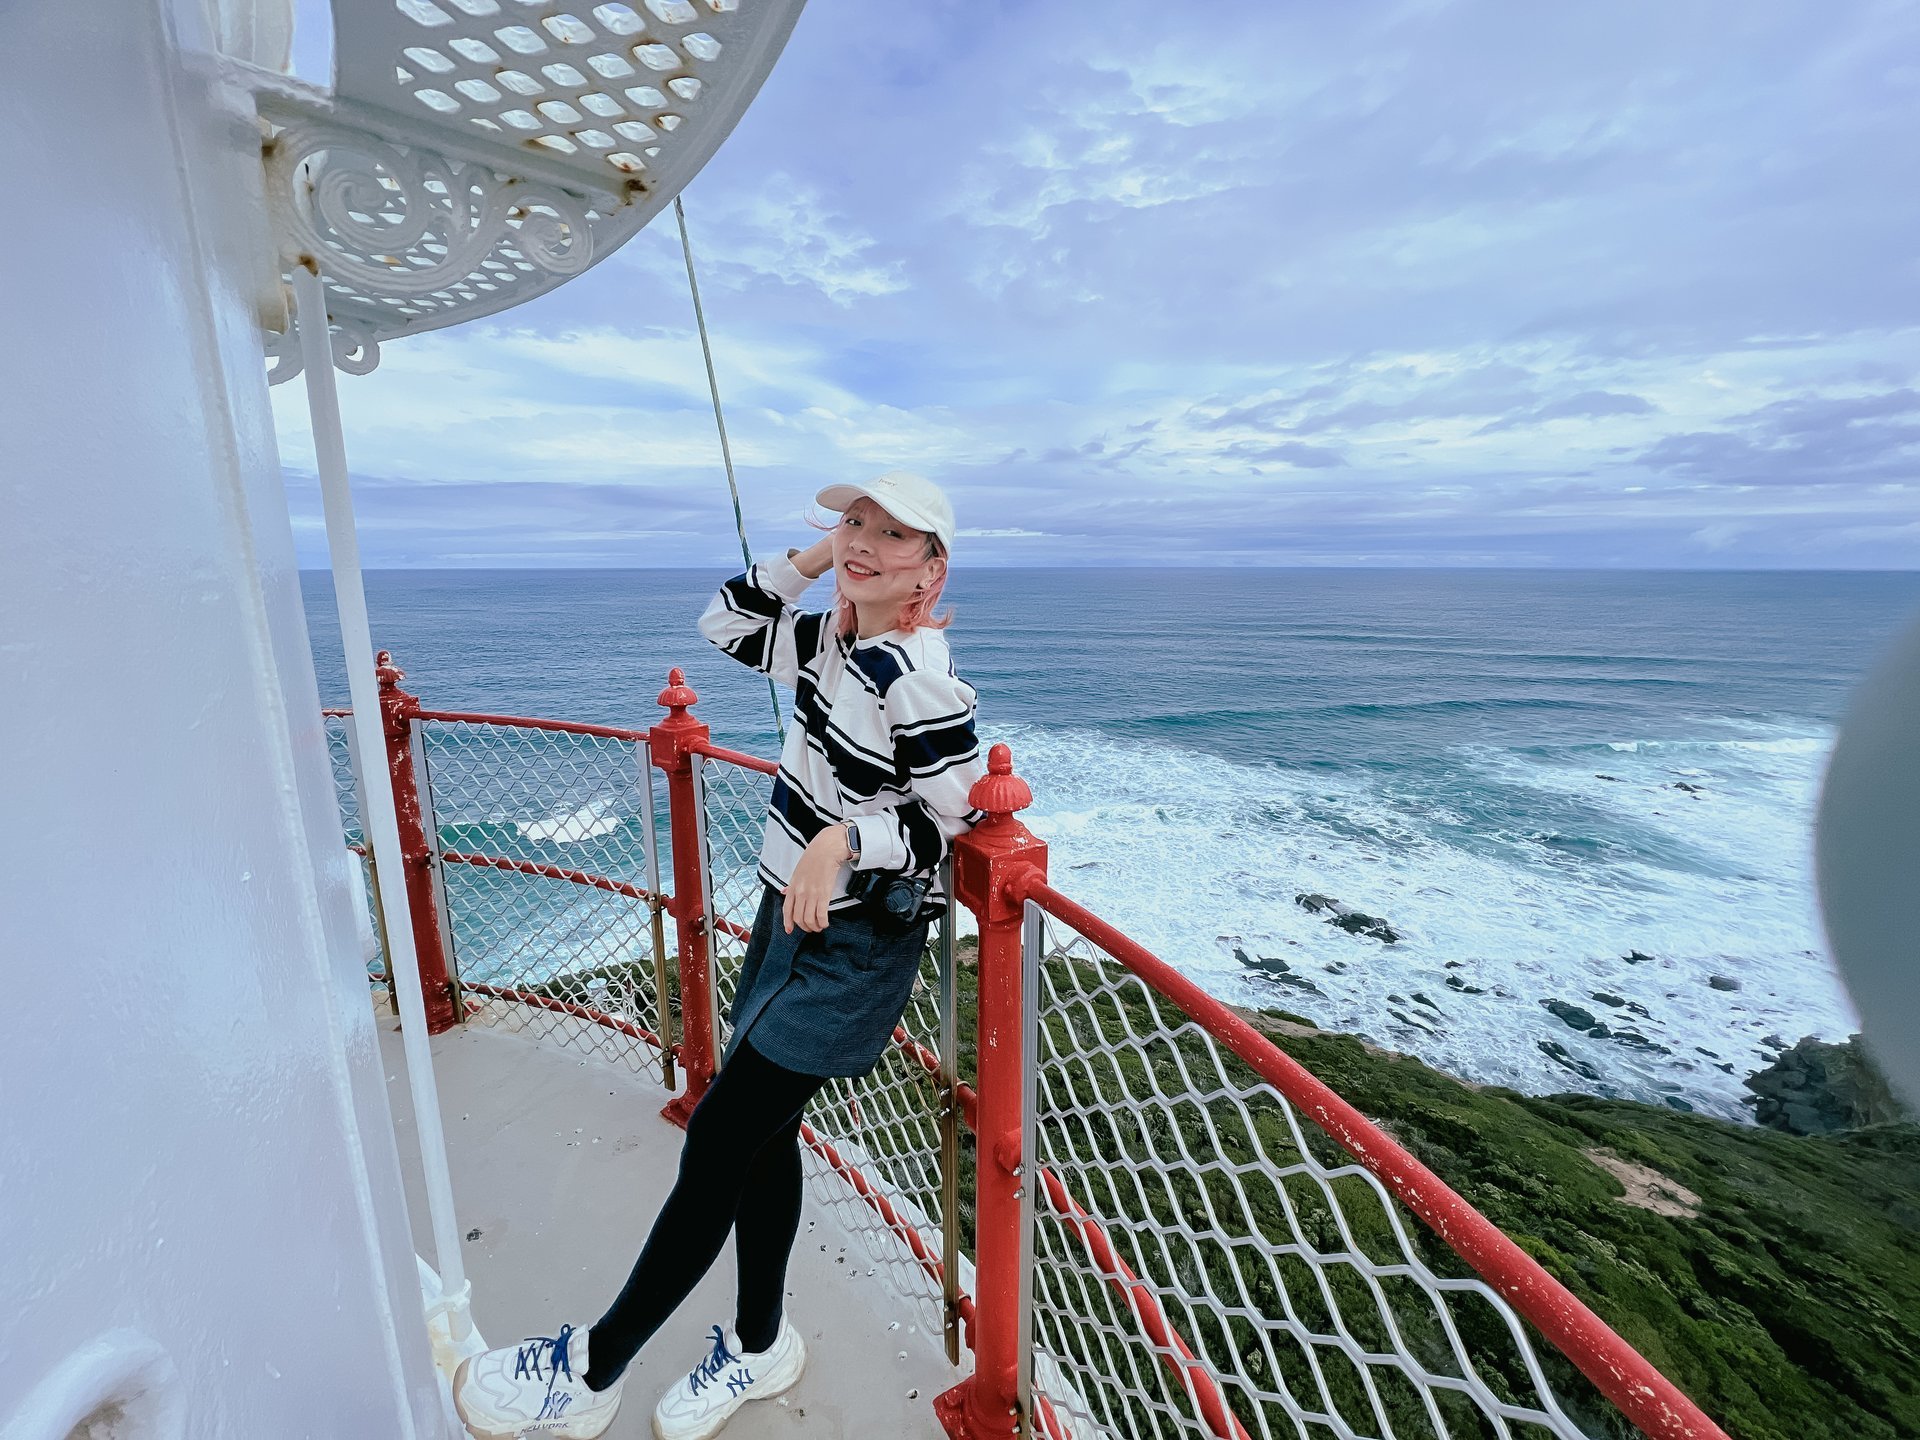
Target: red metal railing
x,y
998,868
1617,1370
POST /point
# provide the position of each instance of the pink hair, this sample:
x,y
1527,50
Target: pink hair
x,y
914,613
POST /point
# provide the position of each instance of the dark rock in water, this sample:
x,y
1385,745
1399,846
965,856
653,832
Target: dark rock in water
x,y
1600,1032
1606,998
1456,964
1299,982
1274,968
1724,1068
1635,1008
1454,982
1816,1088
1690,789
1676,1103
1634,957
1266,964
1420,999
1353,921
1397,999
1614,778
1721,982
1576,1017
1336,968
1710,1054
1557,1053
1640,1042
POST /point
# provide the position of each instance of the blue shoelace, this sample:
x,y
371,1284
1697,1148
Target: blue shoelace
x,y
709,1369
526,1364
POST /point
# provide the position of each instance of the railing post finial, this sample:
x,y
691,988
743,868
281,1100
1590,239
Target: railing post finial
x,y
678,697
397,707
1000,792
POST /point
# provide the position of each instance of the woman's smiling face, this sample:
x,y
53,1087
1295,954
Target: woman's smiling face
x,y
878,561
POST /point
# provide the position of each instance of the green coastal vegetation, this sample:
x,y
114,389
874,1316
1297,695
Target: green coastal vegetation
x,y
1775,1278
1777,1281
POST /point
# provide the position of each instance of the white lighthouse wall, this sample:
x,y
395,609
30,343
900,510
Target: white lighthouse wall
x,y
197,1164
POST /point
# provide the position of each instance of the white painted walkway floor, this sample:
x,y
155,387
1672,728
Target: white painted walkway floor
x,y
560,1164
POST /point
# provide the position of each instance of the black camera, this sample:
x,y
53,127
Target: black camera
x,y
893,900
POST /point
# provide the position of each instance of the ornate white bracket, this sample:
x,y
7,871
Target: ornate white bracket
x,y
474,156
410,239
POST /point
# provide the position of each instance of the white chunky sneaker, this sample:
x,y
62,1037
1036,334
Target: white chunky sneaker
x,y
698,1407
537,1387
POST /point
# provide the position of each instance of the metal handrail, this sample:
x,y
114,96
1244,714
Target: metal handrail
x,y
1617,1370
523,722
736,757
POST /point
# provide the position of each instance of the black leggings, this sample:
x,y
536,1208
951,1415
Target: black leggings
x,y
739,1171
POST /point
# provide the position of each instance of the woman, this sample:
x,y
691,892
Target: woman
x,y
873,782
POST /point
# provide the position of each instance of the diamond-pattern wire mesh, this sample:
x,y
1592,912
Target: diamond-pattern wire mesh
x,y
886,1124
527,945
346,790
1308,1297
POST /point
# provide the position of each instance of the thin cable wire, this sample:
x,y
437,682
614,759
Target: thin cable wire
x,y
720,420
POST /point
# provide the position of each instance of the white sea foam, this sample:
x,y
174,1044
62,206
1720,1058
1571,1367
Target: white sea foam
x,y
1196,855
596,817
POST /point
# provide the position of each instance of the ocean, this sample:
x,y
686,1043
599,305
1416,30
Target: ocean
x,y
1585,789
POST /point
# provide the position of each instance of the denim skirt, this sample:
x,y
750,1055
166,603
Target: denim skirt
x,y
826,1002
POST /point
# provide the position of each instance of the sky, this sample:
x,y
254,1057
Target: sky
x,y
1484,283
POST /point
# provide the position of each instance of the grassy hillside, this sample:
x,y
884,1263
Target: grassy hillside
x,y
1784,1298
1787,1307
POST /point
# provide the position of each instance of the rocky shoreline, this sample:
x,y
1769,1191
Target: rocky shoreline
x,y
1808,1087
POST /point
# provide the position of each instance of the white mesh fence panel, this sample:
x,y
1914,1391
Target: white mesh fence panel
x,y
346,790
886,1125
1293,1296
544,838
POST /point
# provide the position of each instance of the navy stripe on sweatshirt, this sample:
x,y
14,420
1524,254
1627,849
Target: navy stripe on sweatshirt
x,y
882,730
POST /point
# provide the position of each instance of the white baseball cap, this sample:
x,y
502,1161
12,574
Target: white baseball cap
x,y
911,499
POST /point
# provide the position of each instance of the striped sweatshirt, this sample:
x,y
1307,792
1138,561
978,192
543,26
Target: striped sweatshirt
x,y
882,730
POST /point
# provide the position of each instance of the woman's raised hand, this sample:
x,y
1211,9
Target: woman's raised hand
x,y
816,559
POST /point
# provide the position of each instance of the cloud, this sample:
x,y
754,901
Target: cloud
x,y
787,232
1805,440
1428,283
1291,452
1587,405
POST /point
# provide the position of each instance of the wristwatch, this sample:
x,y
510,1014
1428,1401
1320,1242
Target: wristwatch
x,y
853,841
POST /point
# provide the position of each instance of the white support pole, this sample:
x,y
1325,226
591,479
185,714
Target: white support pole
x,y
383,826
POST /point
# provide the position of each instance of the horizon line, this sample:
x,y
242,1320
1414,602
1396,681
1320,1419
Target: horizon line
x,y
1172,565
